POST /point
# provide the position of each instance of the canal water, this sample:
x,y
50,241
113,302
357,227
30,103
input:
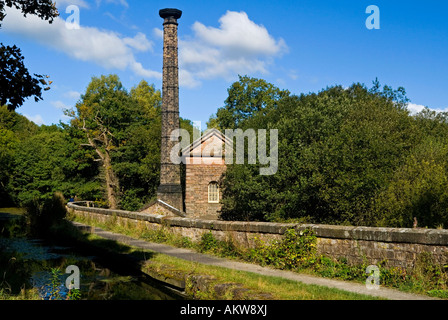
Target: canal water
x,y
34,263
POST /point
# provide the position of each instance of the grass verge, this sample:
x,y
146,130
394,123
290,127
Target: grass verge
x,y
427,277
258,285
265,287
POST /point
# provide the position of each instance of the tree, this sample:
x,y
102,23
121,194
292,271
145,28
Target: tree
x,y
137,159
7,143
16,84
419,187
124,130
15,81
14,128
49,161
246,97
103,114
20,125
37,161
44,9
338,149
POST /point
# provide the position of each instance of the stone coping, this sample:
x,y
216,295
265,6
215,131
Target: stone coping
x,y
396,235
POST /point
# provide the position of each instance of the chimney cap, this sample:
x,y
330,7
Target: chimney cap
x,y
169,12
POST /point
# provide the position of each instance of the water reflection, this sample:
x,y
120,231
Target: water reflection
x,y
30,263
97,284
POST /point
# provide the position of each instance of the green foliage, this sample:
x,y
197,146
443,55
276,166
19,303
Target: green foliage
x,y
419,188
208,242
137,159
16,83
247,98
7,142
52,161
45,213
55,289
13,129
74,294
44,9
346,156
21,126
123,129
55,284
296,249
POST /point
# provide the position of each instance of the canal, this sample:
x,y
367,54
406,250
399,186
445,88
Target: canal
x,y
42,267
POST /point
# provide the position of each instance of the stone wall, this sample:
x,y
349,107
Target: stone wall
x,y
396,246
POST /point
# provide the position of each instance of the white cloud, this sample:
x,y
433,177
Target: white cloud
x,y
62,4
239,35
59,105
293,75
158,33
37,119
416,108
139,42
139,70
124,3
73,94
238,46
105,48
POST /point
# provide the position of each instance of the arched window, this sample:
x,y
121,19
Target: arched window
x,y
213,192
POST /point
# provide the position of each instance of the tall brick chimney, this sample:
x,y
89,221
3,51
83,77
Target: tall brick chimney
x,y
170,189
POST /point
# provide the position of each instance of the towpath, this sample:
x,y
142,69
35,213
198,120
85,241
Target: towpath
x,y
193,256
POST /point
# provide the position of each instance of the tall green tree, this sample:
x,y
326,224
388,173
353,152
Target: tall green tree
x,y
419,187
7,144
14,129
49,161
137,160
338,149
104,113
124,130
246,97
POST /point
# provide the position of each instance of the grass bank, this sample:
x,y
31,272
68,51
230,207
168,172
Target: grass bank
x,y
248,285
210,282
200,281
296,252
252,285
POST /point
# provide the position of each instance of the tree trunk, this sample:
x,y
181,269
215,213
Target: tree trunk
x,y
111,180
112,184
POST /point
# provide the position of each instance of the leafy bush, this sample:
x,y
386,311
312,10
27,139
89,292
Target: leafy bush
x,y
208,242
352,156
419,188
296,249
42,214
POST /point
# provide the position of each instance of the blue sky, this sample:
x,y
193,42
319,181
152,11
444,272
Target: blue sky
x,y
303,46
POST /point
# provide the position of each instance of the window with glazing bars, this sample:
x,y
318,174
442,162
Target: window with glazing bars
x,y
213,192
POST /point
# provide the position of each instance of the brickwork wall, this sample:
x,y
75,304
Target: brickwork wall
x,y
204,163
396,246
198,177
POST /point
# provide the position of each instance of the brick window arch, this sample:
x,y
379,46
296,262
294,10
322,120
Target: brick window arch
x,y
213,192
